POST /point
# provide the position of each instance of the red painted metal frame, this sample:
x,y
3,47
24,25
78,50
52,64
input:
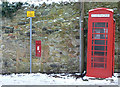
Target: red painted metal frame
x,y
38,48
113,44
108,69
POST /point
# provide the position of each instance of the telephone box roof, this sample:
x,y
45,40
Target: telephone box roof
x,y
111,10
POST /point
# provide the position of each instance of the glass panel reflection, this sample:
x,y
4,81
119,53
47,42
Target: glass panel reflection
x,y
99,30
99,36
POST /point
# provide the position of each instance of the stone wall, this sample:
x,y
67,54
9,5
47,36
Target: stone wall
x,y
57,26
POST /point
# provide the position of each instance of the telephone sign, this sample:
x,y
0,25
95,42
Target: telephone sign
x,y
100,15
30,14
38,48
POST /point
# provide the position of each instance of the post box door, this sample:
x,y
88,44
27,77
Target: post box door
x,y
38,48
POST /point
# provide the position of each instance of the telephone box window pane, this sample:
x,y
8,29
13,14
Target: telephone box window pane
x,y
92,47
106,24
100,42
99,48
99,65
99,36
91,64
93,30
106,30
102,36
92,41
106,53
106,42
93,24
100,24
92,53
99,30
92,36
99,53
106,36
91,58
97,59
106,48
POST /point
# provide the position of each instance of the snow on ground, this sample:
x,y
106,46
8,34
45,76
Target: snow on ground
x,y
54,79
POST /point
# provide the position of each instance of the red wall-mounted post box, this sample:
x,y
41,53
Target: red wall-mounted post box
x,y
38,48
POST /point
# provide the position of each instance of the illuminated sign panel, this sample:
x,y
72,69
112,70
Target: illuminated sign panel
x,y
100,15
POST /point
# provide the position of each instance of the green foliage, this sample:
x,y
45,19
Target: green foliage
x,y
8,9
119,4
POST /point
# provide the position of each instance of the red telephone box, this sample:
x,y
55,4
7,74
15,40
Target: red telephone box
x,y
101,38
38,48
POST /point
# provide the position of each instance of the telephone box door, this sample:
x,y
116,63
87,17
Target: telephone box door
x,y
99,47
